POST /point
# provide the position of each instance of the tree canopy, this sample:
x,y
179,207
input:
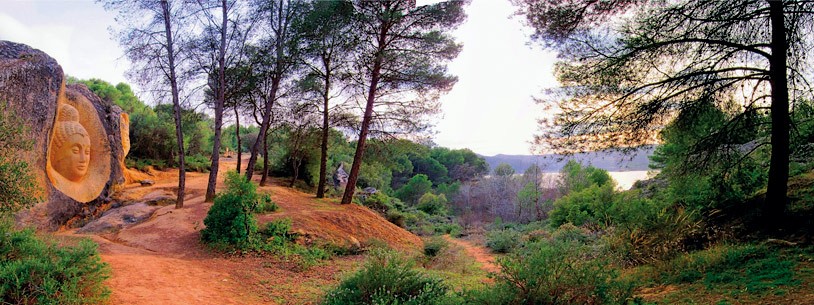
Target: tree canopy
x,y
629,67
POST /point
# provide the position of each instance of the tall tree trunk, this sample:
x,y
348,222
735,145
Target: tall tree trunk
x,y
261,135
323,157
213,172
237,134
265,174
776,191
353,176
176,106
275,84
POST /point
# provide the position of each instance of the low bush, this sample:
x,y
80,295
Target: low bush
x,y
197,163
276,232
396,217
571,233
503,241
36,271
555,273
266,206
230,222
379,202
434,245
145,164
388,278
433,204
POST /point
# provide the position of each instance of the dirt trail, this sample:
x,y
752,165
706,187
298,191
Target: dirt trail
x,y
161,261
479,253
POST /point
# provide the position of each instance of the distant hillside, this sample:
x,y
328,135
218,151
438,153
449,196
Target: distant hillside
x,y
612,161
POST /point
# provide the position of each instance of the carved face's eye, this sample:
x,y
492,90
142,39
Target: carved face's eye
x,y
75,149
87,151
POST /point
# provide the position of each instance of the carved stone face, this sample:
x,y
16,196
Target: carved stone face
x,y
73,158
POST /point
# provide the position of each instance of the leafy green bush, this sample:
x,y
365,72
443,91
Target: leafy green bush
x,y
433,204
571,233
266,206
277,231
35,271
434,245
416,187
555,273
145,164
388,278
503,240
379,202
587,206
230,222
396,217
198,163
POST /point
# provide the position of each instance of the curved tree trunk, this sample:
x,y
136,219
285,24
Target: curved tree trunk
x,y
353,176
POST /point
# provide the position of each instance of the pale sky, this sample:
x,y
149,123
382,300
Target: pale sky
x,y
490,110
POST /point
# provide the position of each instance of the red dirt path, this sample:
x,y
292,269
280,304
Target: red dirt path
x,y
161,261
481,255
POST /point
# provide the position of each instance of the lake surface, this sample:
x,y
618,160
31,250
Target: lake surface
x,y
624,180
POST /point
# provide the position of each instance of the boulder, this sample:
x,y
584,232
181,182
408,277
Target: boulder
x,y
340,177
78,151
119,218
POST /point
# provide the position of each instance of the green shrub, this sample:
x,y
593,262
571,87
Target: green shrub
x,y
396,217
277,231
554,273
388,278
503,241
588,206
197,163
266,206
434,245
416,187
230,222
571,233
433,204
379,202
145,164
35,271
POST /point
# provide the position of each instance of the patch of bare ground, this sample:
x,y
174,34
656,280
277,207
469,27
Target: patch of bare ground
x,y
480,254
161,261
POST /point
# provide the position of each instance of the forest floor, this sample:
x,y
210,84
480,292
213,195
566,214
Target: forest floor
x,y
162,261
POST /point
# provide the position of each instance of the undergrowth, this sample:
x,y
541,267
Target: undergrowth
x,y
38,271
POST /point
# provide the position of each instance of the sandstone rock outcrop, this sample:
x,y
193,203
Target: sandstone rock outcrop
x,y
78,149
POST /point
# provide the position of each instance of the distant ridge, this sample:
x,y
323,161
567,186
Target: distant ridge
x,y
610,160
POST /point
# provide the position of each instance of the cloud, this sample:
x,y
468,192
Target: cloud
x,y
51,39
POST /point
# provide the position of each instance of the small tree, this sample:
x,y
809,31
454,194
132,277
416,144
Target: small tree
x,y
152,44
230,221
403,58
414,189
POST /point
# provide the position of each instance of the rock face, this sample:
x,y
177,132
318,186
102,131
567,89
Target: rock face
x,y
78,151
340,177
